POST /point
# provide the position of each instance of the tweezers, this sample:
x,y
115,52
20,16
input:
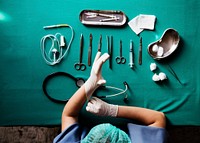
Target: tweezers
x,y
174,74
100,42
90,51
110,47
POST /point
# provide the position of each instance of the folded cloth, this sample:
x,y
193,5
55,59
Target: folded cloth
x,y
147,21
141,22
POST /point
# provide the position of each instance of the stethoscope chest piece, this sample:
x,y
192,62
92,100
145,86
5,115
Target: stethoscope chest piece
x,y
79,82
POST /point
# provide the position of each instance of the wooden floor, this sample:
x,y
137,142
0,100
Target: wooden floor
x,y
34,134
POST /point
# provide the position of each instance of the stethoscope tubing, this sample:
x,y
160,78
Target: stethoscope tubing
x,y
50,76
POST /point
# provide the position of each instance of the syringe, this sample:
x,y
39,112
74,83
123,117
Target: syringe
x,y
131,62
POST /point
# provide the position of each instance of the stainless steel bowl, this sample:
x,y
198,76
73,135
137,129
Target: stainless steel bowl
x,y
168,42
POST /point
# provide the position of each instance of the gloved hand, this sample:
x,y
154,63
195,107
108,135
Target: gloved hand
x,y
101,108
95,79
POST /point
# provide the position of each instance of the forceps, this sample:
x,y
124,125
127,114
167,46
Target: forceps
x,y
120,59
90,51
174,74
100,43
80,66
106,17
110,47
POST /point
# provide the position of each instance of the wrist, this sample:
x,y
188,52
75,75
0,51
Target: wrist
x,y
113,110
90,87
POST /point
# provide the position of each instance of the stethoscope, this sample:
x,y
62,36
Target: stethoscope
x,y
79,82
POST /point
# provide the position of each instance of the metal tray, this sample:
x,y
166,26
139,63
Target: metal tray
x,y
169,41
102,17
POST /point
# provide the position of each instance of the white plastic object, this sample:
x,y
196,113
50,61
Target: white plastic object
x,y
46,51
162,76
131,64
156,77
153,66
62,41
155,48
54,51
160,51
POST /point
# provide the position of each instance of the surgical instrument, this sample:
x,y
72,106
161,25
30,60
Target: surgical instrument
x,y
131,54
90,51
61,51
109,19
102,17
106,15
174,74
111,51
80,66
110,47
100,43
140,52
120,59
79,82
93,15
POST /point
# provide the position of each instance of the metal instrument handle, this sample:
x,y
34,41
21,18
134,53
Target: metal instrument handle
x,y
140,52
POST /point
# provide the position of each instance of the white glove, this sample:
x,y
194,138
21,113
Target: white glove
x,y
95,79
101,108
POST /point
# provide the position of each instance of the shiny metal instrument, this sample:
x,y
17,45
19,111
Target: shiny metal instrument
x,y
120,59
80,66
140,52
90,51
100,43
110,47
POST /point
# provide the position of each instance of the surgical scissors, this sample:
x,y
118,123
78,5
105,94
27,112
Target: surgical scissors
x,y
120,59
80,66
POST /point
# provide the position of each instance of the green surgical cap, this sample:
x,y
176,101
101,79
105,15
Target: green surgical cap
x,y
106,133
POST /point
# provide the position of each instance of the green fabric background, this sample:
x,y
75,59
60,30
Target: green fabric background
x,y
23,69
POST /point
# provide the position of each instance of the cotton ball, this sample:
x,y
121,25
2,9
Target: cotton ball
x,y
153,66
162,76
156,77
155,48
160,51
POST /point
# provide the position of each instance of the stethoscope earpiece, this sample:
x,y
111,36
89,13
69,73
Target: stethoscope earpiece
x,y
126,99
